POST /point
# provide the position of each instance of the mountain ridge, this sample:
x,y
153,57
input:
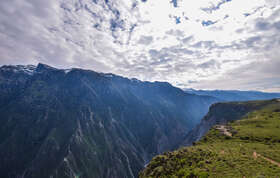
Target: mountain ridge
x,y
234,95
82,123
246,144
76,122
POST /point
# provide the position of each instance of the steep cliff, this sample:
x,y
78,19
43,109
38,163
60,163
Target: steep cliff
x,y
80,123
245,142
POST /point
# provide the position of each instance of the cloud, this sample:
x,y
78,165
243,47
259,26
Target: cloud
x,y
215,7
209,64
252,41
260,75
262,25
144,39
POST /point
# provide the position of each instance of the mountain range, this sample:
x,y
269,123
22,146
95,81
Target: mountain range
x,y
63,123
244,142
80,123
227,111
234,95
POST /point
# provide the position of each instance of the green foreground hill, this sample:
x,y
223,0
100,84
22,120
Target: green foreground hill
x,y
249,146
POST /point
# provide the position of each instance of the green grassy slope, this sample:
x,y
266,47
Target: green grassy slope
x,y
248,147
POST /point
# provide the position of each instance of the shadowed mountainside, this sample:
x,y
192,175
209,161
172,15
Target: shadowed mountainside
x,y
79,123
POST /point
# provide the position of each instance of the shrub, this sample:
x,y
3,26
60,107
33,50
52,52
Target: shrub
x,y
203,175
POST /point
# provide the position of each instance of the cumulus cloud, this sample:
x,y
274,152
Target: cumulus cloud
x,y
260,75
145,40
201,44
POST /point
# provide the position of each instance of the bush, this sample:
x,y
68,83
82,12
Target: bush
x,y
203,175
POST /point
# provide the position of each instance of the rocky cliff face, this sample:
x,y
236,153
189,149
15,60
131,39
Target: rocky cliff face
x,y
79,123
245,144
219,113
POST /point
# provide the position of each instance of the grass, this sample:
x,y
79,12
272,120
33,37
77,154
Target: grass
x,y
218,155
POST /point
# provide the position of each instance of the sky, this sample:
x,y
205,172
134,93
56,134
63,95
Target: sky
x,y
201,44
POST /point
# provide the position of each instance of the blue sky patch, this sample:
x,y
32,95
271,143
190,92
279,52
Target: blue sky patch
x,y
177,20
207,23
214,8
174,2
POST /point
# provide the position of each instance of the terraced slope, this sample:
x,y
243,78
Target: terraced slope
x,y
246,147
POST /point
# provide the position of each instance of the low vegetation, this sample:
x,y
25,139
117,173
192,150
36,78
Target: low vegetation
x,y
248,147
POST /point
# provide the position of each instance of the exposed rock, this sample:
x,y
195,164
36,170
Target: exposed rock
x,y
66,123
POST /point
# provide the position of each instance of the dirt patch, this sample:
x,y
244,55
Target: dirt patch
x,y
256,155
224,130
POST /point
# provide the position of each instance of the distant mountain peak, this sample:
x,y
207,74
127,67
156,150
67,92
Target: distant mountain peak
x,y
27,69
43,67
101,125
234,95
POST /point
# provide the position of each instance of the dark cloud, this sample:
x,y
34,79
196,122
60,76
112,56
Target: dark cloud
x,y
171,52
277,25
209,64
252,41
204,44
176,33
145,40
266,24
262,25
187,39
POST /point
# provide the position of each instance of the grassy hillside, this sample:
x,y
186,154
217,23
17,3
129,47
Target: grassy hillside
x,y
248,147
